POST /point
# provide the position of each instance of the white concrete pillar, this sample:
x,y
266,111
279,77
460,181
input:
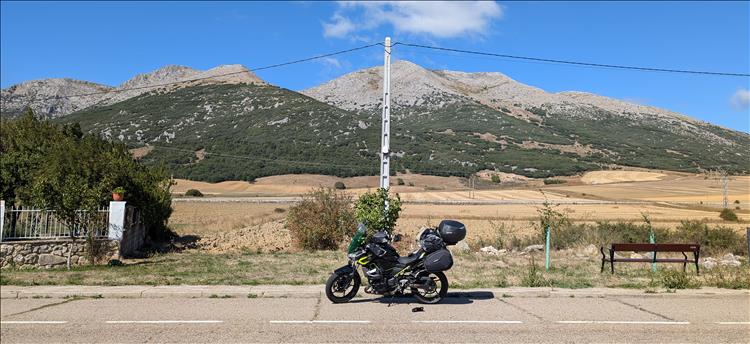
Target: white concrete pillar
x,y
2,219
116,220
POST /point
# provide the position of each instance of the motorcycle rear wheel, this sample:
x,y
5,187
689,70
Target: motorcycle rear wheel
x,y
338,293
437,293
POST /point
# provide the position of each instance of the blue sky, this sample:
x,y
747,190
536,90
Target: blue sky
x,y
110,42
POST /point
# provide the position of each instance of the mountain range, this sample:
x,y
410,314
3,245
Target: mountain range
x,y
205,126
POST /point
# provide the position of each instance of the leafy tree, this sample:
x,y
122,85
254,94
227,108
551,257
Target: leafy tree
x,y
370,209
62,169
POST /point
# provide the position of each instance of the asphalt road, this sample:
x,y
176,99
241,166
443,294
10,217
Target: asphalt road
x,y
472,317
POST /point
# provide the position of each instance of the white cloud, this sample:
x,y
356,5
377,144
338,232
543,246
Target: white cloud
x,y
331,62
741,100
340,27
441,19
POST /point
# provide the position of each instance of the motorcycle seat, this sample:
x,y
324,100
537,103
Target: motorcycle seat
x,y
408,260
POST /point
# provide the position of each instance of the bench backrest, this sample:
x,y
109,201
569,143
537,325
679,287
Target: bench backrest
x,y
657,247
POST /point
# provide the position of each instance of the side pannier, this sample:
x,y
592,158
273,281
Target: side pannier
x,y
439,260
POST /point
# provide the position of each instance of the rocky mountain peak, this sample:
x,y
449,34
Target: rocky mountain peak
x,y
166,74
45,96
40,94
228,74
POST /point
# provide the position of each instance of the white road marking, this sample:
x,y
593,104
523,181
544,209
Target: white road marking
x,y
33,322
468,321
164,321
319,321
624,322
733,322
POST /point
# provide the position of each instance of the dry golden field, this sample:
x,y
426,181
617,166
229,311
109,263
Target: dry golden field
x,y
227,226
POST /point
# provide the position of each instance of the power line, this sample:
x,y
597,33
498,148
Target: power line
x,y
118,90
577,63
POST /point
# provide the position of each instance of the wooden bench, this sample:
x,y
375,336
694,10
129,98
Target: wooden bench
x,y
653,248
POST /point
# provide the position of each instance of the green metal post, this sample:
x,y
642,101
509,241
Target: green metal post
x,y
546,248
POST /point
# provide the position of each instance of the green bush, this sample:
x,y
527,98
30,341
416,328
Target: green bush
x,y
193,193
321,220
399,181
550,181
673,279
339,186
728,215
370,210
495,179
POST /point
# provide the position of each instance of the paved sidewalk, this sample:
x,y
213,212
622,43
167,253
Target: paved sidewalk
x,y
314,291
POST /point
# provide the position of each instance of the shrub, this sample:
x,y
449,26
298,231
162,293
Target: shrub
x,y
728,215
736,201
713,240
495,178
673,279
400,181
339,186
411,183
722,277
533,278
321,220
193,193
549,181
279,210
370,210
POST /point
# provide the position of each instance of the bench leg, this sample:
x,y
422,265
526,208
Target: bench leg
x,y
697,267
684,264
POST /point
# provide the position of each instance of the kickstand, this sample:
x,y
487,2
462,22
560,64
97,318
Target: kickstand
x,y
390,300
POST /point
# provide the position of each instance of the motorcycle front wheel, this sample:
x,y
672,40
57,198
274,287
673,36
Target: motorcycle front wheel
x,y
341,288
435,287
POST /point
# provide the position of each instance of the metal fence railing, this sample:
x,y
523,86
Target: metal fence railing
x,y
27,223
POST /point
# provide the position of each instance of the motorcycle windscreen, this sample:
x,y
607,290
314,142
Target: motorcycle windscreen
x,y
358,239
439,260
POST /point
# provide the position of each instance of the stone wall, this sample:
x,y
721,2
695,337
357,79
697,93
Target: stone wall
x,y
52,253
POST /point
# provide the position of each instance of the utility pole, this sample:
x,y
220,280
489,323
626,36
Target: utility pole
x,y
725,189
385,138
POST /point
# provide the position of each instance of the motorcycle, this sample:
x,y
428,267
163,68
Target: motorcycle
x,y
420,273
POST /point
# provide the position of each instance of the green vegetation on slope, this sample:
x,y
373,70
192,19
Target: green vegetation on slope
x,y
251,131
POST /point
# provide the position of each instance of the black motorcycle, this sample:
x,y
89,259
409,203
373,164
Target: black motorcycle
x,y
420,273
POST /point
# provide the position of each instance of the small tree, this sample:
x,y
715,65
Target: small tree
x,y
75,182
495,179
728,215
550,217
370,209
400,181
339,186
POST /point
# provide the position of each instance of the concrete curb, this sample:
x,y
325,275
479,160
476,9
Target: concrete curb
x,y
315,291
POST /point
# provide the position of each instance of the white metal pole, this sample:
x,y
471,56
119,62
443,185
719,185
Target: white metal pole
x,y
385,158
